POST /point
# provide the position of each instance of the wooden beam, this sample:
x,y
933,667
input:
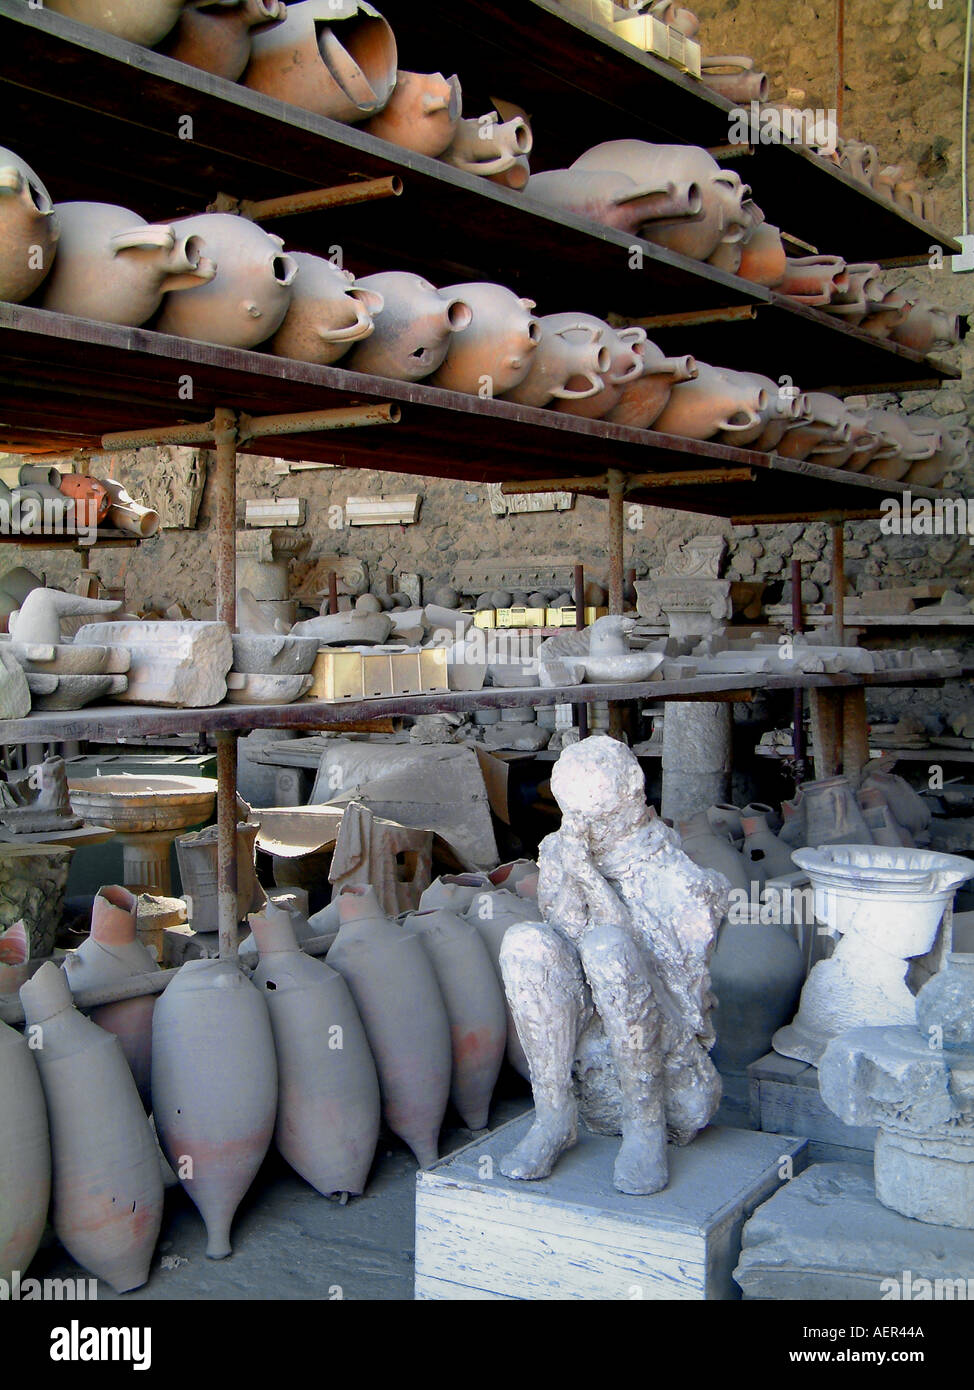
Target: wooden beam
x,y
599,484
732,314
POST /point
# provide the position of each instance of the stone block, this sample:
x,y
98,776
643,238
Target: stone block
x,y
172,663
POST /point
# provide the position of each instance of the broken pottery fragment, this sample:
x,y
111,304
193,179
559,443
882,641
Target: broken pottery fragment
x,y
29,229
421,113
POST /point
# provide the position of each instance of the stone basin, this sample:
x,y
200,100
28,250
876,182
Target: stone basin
x,y
133,804
894,897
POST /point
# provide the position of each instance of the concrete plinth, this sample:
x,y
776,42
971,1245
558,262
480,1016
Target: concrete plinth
x,y
824,1236
482,1236
696,757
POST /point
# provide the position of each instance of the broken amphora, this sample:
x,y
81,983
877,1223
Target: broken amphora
x,y
412,335
328,312
29,229
493,353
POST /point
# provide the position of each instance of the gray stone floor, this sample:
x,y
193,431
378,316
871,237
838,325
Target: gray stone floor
x,y
291,1243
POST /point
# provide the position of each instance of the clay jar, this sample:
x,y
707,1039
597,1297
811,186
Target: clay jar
x,y
421,114
785,406
493,353
907,807
722,194
742,84
763,260
715,400
916,443
570,362
625,366
399,1001
25,1154
487,145
327,314
612,198
412,335
214,1088
475,1007
139,21
455,891
492,913
334,57
710,850
110,954
764,852
642,401
114,268
245,303
824,424
926,327
328,1105
107,1188
950,456
27,221
217,37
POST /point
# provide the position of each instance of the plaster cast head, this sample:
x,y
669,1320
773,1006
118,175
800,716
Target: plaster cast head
x,y
600,779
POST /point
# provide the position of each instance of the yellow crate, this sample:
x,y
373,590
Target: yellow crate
x,y
520,617
685,53
565,617
336,675
434,669
487,617
339,675
645,32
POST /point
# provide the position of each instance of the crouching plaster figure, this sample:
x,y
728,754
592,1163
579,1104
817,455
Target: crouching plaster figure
x,y
611,991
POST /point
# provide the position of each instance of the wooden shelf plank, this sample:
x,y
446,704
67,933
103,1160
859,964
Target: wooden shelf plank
x,y
66,381
122,107
111,722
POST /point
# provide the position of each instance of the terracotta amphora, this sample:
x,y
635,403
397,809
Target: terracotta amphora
x,y
715,401
767,856
25,1154
726,819
675,17
756,974
113,267
613,198
763,260
722,217
327,314
217,36
625,346
475,1007
244,304
884,314
493,353
824,424
112,953
812,280
487,145
926,327
785,405
949,457
711,850
909,809
642,401
399,1001
412,335
214,1088
867,442
139,21
328,1106
516,177
421,114
107,1179
492,913
883,825
741,82
916,442
28,229
858,159
334,57
570,363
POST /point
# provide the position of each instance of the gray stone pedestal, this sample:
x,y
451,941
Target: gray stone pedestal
x,y
824,1236
696,758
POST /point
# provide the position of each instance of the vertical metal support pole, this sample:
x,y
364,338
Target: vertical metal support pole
x,y
332,592
581,711
798,702
226,843
225,437
839,62
616,481
838,584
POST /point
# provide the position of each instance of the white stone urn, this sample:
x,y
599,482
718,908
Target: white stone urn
x,y
886,904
